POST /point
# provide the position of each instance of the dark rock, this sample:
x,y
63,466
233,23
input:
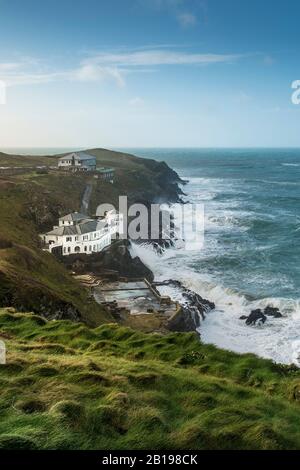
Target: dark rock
x,y
116,258
259,316
255,316
194,309
186,319
272,312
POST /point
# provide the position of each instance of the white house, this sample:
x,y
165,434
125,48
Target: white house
x,y
77,233
78,161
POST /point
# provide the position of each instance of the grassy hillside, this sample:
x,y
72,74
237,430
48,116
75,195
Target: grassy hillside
x,y
66,386
30,278
25,160
31,203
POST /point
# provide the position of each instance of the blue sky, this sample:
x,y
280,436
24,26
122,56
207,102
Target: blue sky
x,y
118,73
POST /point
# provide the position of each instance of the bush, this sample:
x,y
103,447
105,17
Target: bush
x,y
15,442
69,409
5,243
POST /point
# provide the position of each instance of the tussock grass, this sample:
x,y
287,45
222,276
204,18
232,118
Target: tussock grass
x,y
67,386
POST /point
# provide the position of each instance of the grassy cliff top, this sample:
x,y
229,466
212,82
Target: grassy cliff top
x,y
66,386
31,203
105,157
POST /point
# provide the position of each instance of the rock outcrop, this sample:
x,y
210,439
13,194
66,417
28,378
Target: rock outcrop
x,y
193,309
115,260
259,316
272,312
255,317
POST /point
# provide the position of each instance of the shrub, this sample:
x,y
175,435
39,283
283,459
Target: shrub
x,y
15,442
69,409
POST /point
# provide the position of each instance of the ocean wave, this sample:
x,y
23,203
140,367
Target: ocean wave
x,y
227,221
202,180
290,164
240,250
278,339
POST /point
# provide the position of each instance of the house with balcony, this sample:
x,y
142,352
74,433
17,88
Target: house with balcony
x,y
78,161
77,233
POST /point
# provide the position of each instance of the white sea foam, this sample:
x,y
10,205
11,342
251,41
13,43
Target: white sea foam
x,y
277,339
290,164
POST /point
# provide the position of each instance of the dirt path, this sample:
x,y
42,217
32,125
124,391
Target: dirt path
x,y
86,198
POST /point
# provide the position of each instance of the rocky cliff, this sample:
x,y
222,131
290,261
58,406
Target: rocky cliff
x,y
32,202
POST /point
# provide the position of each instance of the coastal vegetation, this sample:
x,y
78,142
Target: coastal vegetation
x,y
76,380
31,203
66,386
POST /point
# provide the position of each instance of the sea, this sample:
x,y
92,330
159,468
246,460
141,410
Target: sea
x,y
251,252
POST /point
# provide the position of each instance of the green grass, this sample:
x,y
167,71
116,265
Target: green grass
x,y
66,386
25,160
31,203
31,279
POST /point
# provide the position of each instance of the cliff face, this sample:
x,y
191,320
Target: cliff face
x,y
167,179
114,260
32,202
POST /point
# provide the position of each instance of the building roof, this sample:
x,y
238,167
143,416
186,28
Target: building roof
x,y
91,226
86,226
78,156
73,217
64,230
104,170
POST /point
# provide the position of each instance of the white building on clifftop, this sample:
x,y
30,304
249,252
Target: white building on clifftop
x,y
78,161
77,233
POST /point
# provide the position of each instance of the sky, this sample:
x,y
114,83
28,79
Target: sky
x,y
149,73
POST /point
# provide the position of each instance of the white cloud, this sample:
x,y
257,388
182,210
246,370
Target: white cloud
x,y
136,101
106,66
92,72
187,20
160,57
22,74
177,9
7,66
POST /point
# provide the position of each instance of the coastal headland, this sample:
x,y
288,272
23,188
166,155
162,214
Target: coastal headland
x,y
80,373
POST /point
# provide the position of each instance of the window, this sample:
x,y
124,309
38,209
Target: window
x,y
69,239
90,248
85,248
69,250
76,238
